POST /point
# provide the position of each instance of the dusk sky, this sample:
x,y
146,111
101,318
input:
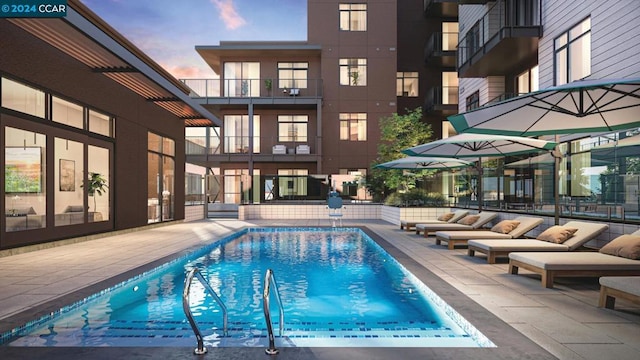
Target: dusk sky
x,y
169,30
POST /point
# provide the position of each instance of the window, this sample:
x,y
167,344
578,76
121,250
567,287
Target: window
x,y
407,84
68,177
292,182
573,53
239,187
25,177
449,88
67,113
100,123
161,178
292,128
353,17
527,81
242,79
236,134
353,127
473,101
449,36
23,98
292,75
353,72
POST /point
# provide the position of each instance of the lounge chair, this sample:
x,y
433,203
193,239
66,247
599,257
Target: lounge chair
x,y
624,287
504,230
457,215
587,231
581,263
480,220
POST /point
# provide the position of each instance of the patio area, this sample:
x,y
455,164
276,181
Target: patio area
x,y
513,311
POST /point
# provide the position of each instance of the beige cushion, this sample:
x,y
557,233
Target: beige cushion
x,y
505,226
445,216
557,234
627,246
469,219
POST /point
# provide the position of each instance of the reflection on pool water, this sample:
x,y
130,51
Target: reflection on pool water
x,y
338,288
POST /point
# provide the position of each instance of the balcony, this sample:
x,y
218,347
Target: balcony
x,y
236,149
229,93
506,36
441,8
440,49
442,100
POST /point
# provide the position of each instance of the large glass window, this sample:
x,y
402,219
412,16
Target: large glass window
x,y
527,81
353,72
353,17
236,134
68,113
292,182
239,187
573,53
25,180
98,184
449,88
160,178
407,84
23,98
69,182
292,75
100,123
242,79
353,126
449,36
292,128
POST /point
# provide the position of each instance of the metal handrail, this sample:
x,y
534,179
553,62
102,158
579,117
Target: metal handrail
x,y
187,309
268,280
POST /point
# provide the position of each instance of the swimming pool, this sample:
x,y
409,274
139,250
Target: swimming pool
x,y
338,286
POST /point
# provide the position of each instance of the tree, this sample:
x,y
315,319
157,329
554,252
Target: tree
x,y
397,132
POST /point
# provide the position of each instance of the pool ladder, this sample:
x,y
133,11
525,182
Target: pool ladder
x,y
187,309
269,279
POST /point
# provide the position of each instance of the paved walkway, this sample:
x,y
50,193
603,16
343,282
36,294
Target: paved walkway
x,y
564,321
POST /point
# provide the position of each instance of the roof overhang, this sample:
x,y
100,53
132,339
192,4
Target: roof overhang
x,y
87,38
212,53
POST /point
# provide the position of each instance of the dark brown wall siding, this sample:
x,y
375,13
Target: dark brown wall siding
x,y
33,60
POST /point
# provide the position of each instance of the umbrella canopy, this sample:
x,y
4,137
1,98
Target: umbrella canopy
x,y
479,145
424,163
581,106
585,106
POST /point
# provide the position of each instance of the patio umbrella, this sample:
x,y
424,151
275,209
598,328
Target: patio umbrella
x,y
424,163
479,145
584,106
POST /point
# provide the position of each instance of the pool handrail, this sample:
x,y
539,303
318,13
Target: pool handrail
x,y
269,279
201,349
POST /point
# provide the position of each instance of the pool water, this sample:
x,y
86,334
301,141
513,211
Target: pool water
x,y
338,288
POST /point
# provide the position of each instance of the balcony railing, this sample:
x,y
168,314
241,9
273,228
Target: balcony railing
x,y
239,145
263,87
505,16
440,43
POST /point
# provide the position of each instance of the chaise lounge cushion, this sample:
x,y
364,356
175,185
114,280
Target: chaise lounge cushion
x,y
524,225
469,219
557,234
505,226
627,246
587,261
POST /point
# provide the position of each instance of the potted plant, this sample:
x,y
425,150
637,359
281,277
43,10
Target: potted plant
x,y
96,184
268,84
355,77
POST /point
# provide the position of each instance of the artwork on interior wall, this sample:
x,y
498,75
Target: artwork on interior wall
x,y
23,169
67,175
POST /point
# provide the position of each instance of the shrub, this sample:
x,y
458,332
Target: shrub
x,y
415,197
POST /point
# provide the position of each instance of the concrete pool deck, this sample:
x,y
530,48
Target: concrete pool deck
x,y
524,319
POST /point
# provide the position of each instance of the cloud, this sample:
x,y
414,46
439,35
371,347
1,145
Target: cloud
x,y
232,20
189,72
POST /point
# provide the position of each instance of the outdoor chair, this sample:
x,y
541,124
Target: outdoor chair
x,y
504,230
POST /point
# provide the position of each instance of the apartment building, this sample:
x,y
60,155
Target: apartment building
x,y
301,117
92,131
511,47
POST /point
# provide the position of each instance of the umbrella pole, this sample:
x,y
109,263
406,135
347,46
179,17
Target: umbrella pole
x,y
556,181
479,186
